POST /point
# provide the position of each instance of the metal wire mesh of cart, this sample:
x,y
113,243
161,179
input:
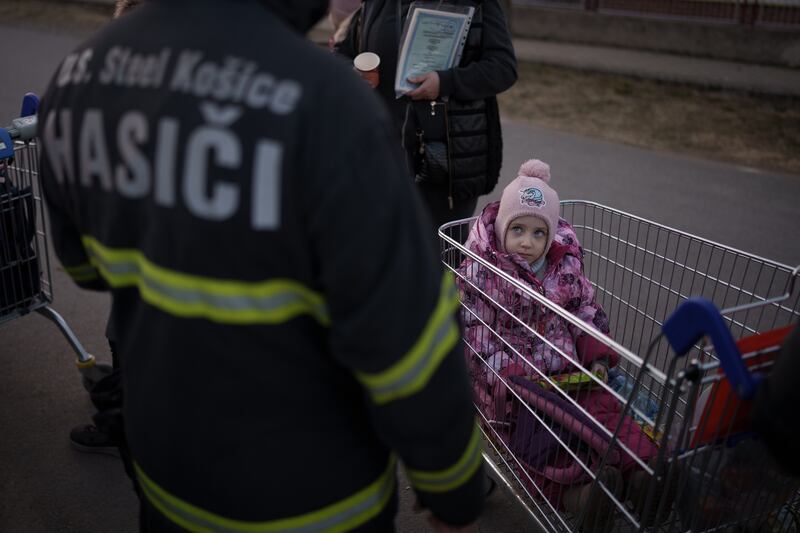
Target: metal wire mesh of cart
x,y
641,271
25,283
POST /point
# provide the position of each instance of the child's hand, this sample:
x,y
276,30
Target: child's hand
x,y
600,370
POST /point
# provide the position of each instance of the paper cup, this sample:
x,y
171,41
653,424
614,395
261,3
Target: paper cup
x,y
367,61
366,64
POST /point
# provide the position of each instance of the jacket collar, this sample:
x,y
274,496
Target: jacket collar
x,y
300,14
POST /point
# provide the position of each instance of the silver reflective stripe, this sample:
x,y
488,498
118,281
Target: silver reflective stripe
x,y
227,301
455,476
219,301
411,373
421,365
341,516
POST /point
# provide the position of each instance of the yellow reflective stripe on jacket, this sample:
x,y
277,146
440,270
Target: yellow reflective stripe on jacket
x,y
227,301
456,475
84,272
345,515
414,370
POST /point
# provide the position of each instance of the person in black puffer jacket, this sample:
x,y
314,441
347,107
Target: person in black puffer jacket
x,y
453,114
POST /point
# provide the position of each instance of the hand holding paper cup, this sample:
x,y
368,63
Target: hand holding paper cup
x,y
366,64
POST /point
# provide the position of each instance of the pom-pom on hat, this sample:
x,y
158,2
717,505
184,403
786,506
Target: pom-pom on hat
x,y
528,194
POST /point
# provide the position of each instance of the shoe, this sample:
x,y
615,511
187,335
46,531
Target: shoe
x,y
89,439
592,505
641,492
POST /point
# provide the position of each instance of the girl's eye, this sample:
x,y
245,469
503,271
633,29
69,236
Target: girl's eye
x,y
539,233
516,229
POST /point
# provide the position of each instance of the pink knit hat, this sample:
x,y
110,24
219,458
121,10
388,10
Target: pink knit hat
x,y
529,194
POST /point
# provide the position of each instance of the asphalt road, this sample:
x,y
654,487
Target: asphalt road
x,y
47,487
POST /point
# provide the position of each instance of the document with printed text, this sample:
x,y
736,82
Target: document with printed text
x,y
433,39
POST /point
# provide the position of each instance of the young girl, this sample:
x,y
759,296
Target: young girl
x,y
524,236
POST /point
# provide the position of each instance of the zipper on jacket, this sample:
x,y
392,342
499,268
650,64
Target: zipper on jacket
x,y
403,139
449,157
434,103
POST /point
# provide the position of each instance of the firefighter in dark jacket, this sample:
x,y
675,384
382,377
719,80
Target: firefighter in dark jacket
x,y
454,108
284,337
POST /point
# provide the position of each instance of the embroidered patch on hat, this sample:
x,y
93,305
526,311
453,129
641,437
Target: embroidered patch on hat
x,y
532,197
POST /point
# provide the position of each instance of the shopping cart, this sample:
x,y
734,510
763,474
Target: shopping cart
x,y
25,277
709,471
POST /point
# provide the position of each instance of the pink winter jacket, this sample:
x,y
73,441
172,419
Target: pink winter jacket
x,y
565,284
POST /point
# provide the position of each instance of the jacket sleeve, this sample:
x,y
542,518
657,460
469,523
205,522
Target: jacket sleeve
x,y
348,46
394,315
494,71
589,349
64,231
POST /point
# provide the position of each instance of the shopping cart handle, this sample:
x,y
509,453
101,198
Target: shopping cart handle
x,y
6,144
697,317
30,105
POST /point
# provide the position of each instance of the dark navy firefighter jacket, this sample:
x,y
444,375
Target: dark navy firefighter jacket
x,y
286,332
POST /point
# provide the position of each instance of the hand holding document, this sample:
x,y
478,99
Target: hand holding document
x,y
428,88
433,39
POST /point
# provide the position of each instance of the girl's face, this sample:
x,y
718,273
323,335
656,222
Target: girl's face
x,y
527,236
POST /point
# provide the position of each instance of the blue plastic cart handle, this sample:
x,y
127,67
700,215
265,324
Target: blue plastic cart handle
x,y
6,144
697,317
30,105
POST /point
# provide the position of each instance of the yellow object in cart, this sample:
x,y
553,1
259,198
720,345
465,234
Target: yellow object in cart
x,y
570,381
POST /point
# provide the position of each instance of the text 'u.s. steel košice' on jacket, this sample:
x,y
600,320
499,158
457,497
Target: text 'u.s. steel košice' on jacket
x,y
286,331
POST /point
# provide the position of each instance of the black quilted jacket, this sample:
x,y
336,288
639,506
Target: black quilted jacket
x,y
487,68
